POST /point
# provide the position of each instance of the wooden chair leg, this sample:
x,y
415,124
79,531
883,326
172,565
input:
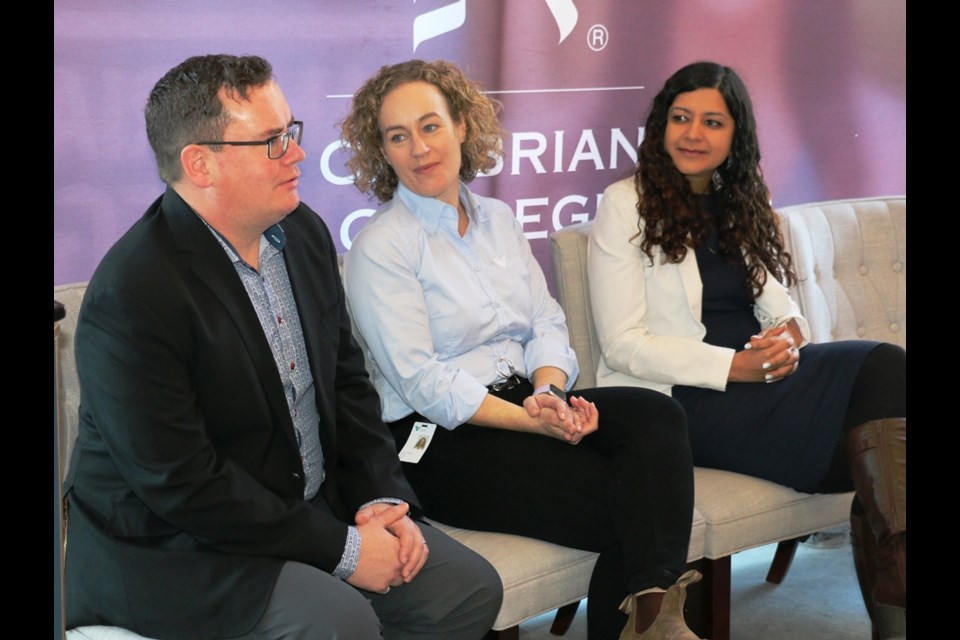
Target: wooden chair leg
x,y
709,600
564,618
782,560
513,633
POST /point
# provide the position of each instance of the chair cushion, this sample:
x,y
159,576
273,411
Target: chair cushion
x,y
539,576
743,512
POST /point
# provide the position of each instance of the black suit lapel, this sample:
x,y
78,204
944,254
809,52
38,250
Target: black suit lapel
x,y
205,257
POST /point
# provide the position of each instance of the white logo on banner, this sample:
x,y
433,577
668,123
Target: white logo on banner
x,y
451,17
438,22
565,15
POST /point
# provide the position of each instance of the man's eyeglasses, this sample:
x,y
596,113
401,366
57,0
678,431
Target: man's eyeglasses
x,y
276,146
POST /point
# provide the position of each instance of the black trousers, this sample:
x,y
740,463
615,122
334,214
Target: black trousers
x,y
625,491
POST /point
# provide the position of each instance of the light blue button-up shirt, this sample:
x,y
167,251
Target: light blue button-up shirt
x,y
438,311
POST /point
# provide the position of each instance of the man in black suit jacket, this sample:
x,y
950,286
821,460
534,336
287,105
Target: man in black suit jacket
x,y
216,489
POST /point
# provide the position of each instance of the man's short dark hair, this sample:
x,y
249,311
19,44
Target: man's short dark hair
x,y
184,107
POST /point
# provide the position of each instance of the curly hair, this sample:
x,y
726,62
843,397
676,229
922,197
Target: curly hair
x,y
669,213
466,103
184,106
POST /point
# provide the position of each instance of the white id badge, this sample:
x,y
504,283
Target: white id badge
x,y
417,443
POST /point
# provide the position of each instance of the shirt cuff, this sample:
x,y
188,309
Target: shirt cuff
x,y
351,549
381,501
466,396
351,555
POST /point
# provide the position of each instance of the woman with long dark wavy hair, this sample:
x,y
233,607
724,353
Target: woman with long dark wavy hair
x,y
689,280
465,340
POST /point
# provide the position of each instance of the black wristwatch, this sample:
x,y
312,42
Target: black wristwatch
x,y
552,390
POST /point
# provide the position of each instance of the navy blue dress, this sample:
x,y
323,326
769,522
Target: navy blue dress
x,y
787,431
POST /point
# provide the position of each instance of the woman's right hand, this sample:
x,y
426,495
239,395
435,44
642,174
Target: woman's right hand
x,y
587,414
768,357
555,418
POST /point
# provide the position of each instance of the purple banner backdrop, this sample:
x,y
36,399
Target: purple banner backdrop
x,y
828,81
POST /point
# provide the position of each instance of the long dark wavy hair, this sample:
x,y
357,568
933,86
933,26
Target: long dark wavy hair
x,y
671,216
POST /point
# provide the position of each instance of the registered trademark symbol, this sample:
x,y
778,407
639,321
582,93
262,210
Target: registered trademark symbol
x,y
597,37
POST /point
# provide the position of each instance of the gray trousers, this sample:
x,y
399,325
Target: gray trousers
x,y
456,595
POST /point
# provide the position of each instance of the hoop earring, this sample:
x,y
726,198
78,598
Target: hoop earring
x,y
716,181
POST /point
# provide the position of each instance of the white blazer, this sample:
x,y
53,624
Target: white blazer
x,y
647,313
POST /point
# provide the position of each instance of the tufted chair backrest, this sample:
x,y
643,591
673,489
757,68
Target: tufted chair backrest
x,y
851,259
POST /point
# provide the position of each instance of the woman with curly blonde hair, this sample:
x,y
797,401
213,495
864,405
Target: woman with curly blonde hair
x,y
465,340
361,129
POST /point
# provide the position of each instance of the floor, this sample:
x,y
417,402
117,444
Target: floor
x,y
818,600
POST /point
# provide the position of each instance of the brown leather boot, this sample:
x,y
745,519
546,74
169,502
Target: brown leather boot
x,y
864,553
669,624
877,452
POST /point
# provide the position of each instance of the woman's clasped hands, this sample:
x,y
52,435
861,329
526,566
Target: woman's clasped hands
x,y
558,419
770,356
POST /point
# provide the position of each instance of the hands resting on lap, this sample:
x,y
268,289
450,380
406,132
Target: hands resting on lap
x,y
557,419
392,548
770,356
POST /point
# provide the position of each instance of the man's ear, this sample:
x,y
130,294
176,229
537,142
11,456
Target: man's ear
x,y
197,165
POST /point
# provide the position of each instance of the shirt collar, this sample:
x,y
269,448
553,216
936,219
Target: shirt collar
x,y
273,236
429,211
276,236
